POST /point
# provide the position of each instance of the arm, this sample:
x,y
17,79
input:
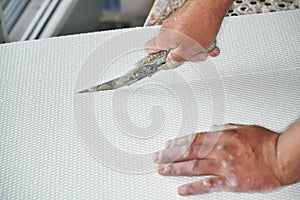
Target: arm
x,y
190,30
288,153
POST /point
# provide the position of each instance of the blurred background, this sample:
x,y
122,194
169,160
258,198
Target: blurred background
x,y
34,19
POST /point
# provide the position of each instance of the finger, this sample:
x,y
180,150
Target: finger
x,y
216,184
166,39
191,168
215,52
185,153
208,148
153,46
199,138
210,142
198,57
185,140
173,60
213,139
203,56
177,153
186,50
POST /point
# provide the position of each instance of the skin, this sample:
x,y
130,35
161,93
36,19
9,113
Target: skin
x,y
180,32
244,159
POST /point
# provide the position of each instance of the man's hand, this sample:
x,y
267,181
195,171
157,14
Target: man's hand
x,y
190,30
244,159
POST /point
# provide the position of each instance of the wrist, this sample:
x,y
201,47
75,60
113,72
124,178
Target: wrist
x,y
288,154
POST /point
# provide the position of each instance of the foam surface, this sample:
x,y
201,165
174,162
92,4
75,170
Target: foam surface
x,y
55,144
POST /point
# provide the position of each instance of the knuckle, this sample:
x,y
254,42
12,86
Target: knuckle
x,y
199,137
195,165
188,151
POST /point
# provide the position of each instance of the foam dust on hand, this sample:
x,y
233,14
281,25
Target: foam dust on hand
x,y
243,160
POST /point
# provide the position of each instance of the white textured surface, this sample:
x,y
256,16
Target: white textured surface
x,y
41,152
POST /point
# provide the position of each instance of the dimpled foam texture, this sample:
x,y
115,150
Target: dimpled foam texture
x,y
57,144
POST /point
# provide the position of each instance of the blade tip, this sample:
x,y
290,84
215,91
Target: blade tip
x,y
84,91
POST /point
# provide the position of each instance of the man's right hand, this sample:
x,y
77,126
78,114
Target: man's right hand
x,y
190,31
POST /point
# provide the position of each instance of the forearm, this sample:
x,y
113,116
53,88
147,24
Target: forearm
x,y
199,19
288,154
218,11
212,18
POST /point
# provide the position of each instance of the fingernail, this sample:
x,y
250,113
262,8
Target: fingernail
x,y
172,64
183,190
